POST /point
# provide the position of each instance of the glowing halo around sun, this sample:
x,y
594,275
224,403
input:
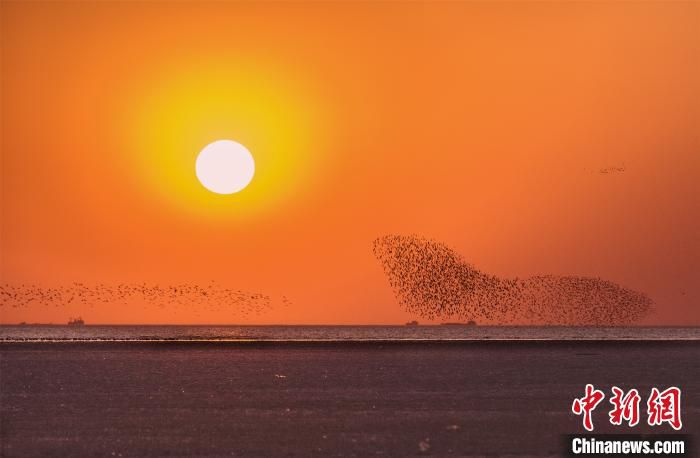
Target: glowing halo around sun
x,y
182,108
225,167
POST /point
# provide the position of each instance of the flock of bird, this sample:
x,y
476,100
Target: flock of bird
x,y
429,279
432,281
211,296
607,170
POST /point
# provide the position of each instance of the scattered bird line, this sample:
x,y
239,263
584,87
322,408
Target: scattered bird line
x,y
212,297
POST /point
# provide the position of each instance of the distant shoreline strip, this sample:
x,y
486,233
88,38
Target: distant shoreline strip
x,y
346,341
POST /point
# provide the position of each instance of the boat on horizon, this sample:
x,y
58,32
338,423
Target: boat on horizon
x,y
76,322
412,323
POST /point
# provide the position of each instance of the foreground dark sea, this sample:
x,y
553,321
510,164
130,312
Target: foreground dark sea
x,y
338,333
326,390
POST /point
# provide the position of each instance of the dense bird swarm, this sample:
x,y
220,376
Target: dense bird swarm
x,y
432,281
210,297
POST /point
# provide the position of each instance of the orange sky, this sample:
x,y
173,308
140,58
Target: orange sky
x,y
483,125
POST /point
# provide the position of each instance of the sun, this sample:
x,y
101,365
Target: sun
x,y
229,139
225,167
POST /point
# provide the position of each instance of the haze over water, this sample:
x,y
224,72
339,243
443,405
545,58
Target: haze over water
x,y
337,333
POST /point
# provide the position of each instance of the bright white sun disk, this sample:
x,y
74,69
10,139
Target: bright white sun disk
x,y
225,167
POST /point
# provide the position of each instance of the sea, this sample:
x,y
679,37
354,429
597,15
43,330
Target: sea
x,y
326,333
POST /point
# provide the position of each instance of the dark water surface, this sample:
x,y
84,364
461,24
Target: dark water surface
x,y
397,398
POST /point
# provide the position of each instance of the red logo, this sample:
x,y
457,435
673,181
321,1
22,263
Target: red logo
x,y
662,407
